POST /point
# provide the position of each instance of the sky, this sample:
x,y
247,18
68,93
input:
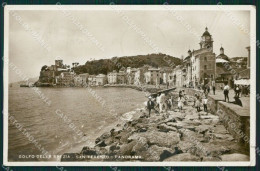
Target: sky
x,y
116,37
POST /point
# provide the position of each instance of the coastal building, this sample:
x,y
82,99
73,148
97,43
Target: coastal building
x,y
187,71
77,81
67,78
101,79
177,74
203,61
121,77
147,77
154,76
50,74
59,63
139,77
92,80
243,77
166,71
81,79
112,77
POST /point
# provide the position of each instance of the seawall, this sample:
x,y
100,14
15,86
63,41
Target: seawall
x,y
235,118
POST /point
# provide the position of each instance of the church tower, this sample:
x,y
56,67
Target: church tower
x,y
221,51
206,40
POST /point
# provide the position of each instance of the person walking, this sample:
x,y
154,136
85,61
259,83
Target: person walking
x,y
162,102
208,88
180,102
205,103
197,103
213,87
150,105
195,99
237,91
226,92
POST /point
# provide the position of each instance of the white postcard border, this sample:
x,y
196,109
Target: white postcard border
x,y
250,8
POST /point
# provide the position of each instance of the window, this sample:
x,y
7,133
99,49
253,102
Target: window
x,y
205,66
205,58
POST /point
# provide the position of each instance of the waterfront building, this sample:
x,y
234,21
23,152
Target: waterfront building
x,y
50,74
84,77
92,80
154,76
203,61
77,81
147,77
139,77
59,63
121,77
130,75
67,78
243,77
187,71
177,75
112,77
101,79
165,73
81,79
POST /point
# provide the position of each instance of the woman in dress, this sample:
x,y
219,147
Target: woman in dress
x,y
197,103
180,103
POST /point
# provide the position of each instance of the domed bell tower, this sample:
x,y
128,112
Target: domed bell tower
x,y
206,41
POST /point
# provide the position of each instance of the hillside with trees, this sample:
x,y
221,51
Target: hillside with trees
x,y
116,63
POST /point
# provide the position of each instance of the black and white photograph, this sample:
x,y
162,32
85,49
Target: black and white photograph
x,y
108,85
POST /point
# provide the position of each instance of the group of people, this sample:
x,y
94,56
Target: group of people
x,y
206,88
162,102
201,99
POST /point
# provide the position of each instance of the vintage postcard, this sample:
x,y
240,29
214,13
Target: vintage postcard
x,y
115,85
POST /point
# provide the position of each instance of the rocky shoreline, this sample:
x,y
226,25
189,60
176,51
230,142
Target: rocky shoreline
x,y
169,136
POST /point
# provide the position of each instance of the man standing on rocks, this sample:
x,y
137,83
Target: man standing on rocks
x,y
150,105
226,92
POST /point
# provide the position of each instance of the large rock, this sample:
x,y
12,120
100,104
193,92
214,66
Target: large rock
x,y
191,136
124,137
178,124
219,129
166,128
202,128
210,116
140,146
185,146
126,149
226,137
183,157
88,151
156,153
161,139
102,137
211,149
235,157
